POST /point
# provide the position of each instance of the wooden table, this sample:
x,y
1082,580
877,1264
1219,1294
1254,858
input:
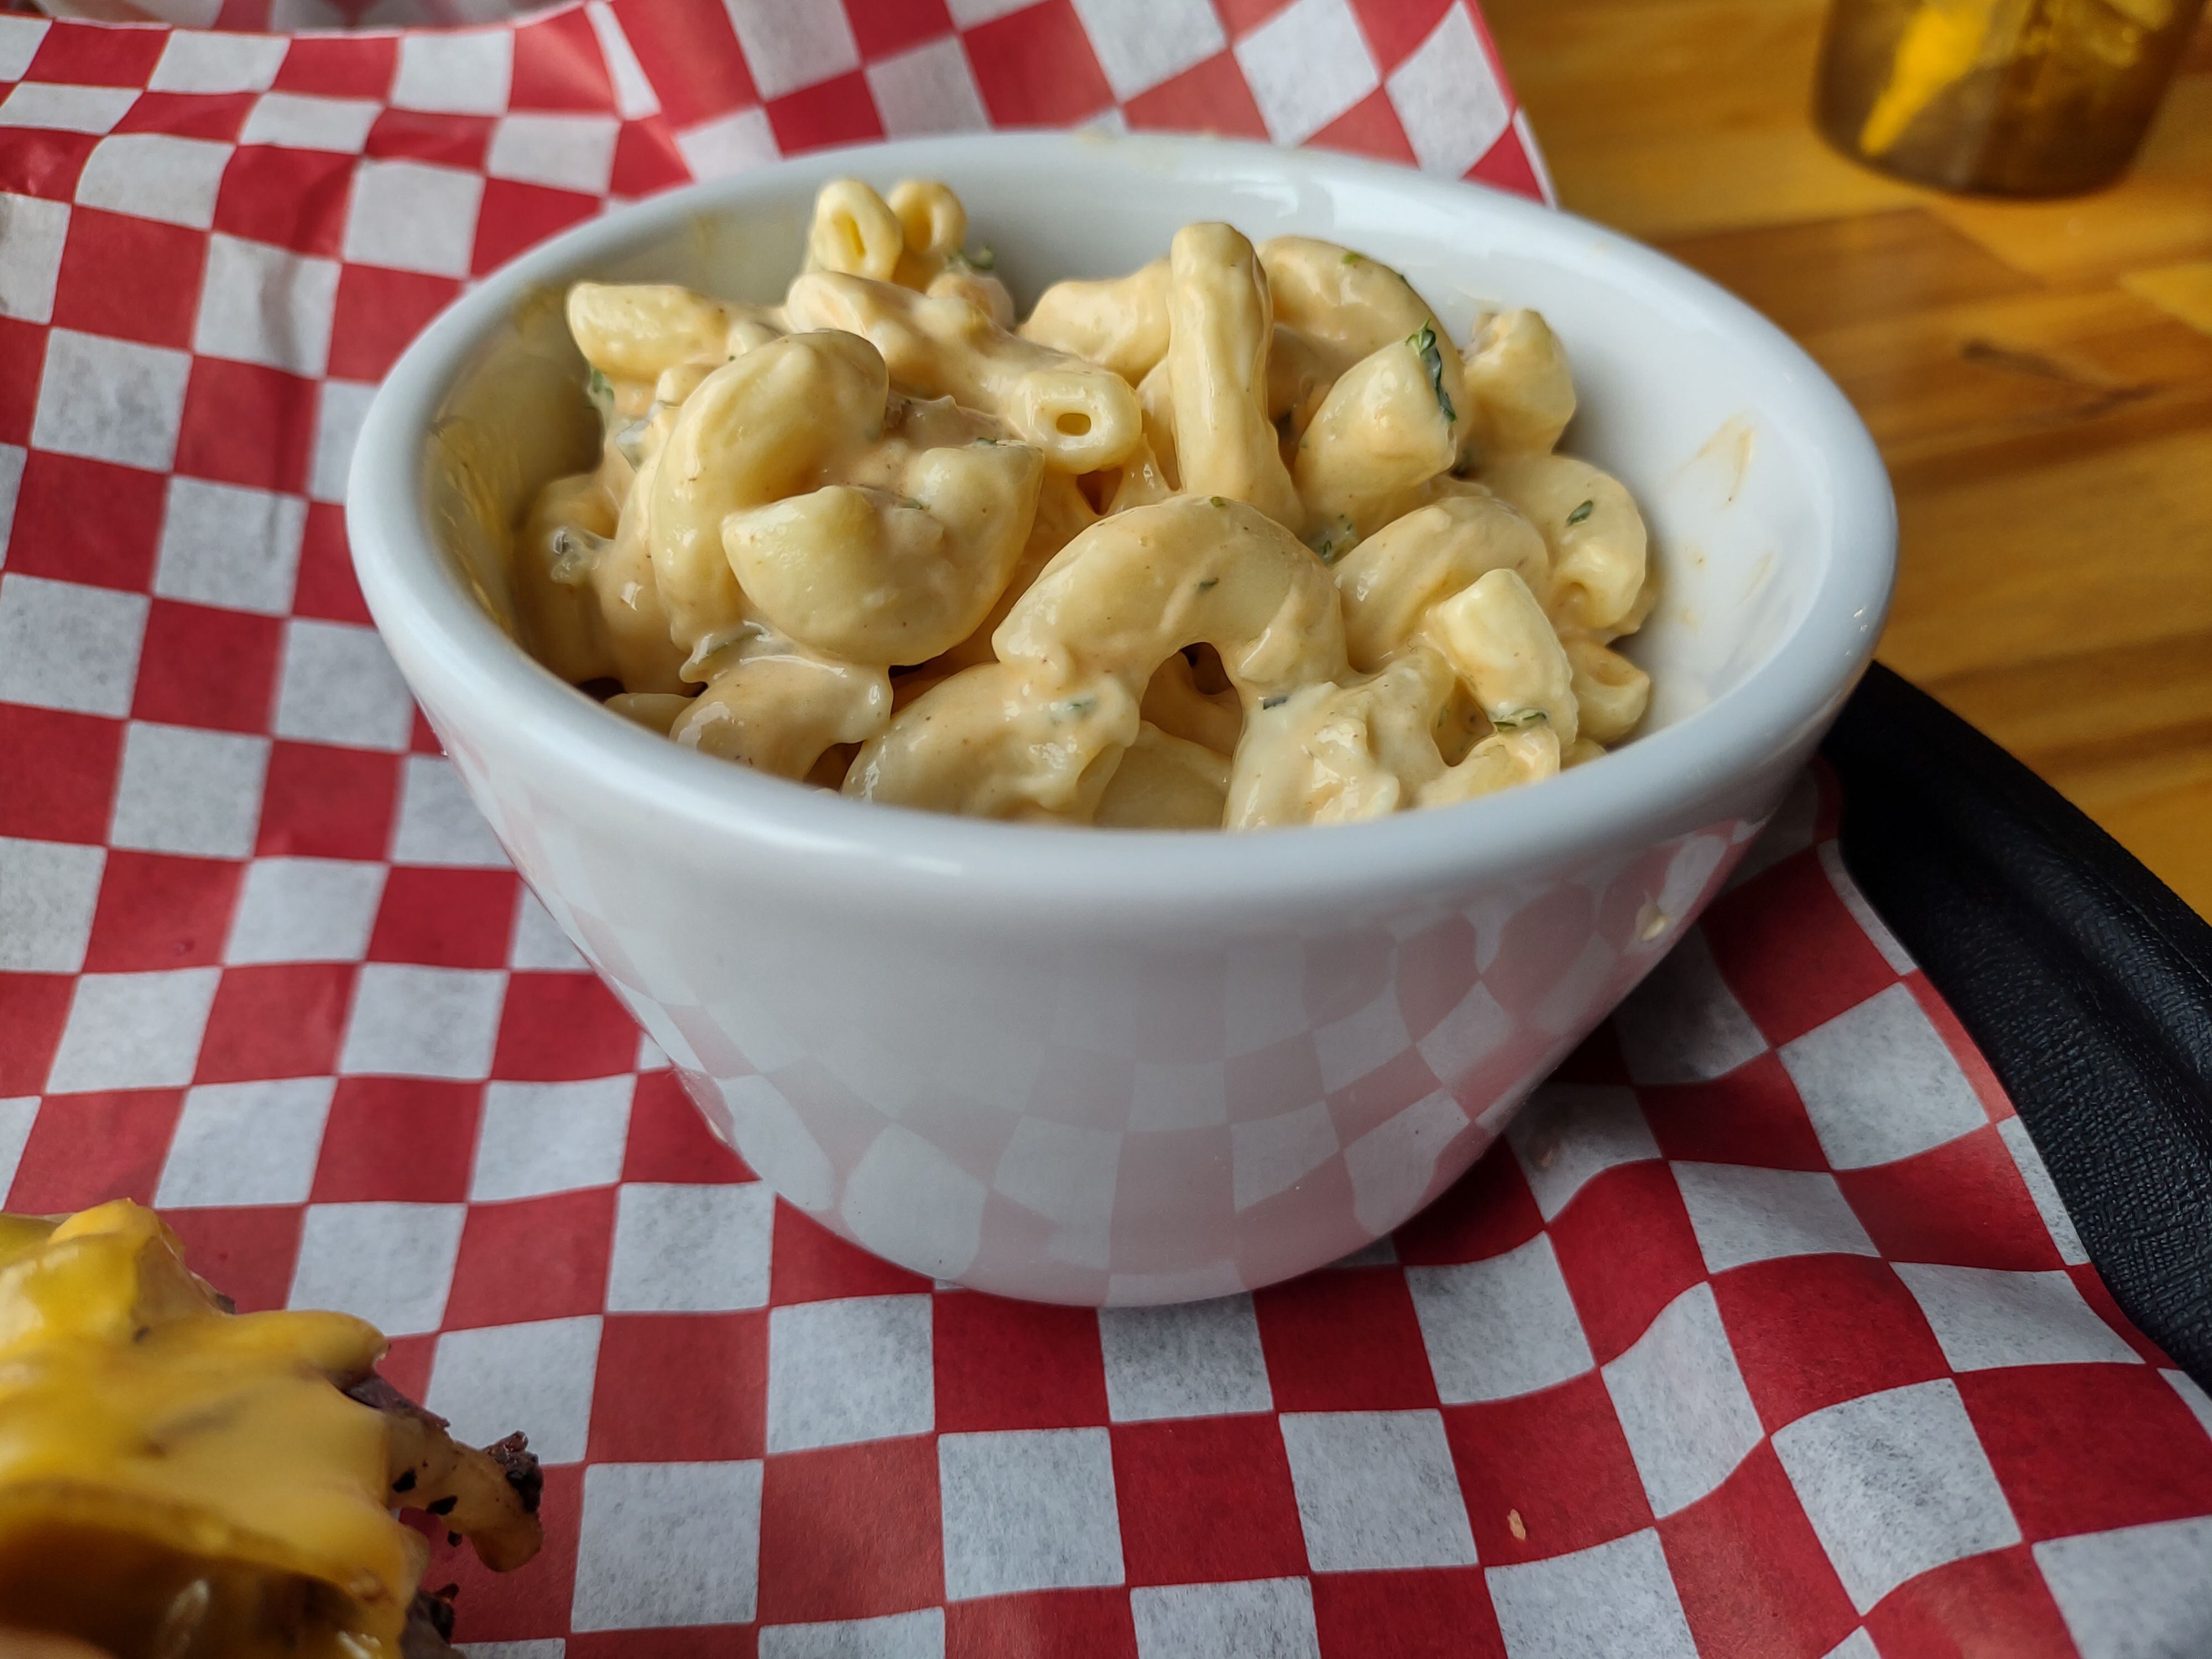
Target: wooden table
x,y
2039,376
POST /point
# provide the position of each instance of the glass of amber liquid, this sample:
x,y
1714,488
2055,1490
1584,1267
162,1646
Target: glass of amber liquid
x,y
2009,97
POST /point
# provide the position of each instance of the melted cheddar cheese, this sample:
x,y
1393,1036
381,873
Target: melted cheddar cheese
x,y
179,1480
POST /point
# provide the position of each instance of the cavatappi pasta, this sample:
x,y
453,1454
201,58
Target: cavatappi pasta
x,y
1239,539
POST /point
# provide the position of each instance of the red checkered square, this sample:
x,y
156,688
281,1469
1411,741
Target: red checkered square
x,y
61,772
447,140
327,803
851,1532
1546,1473
249,1253
686,1642
1211,97
86,1149
669,1140
1034,68
377,313
2089,1447
1242,16
839,112
1487,1213
561,1025
812,1264
22,354
131,278
1345,1340
1061,1624
646,161
518,217
278,1020
358,66
532,1258
294,199
326,588
1370,127
1395,27
1962,1203
245,424
214,116
1627,1250
33,1008
1010,1365
85,521
557,65
398,1139
1435,1613
160,911
1206,1498
680,1388
1812,1331
1753,1576
691,60
1508,168
1790,951
1751,1116
1995,1606
444,918
406,1364
174,685
40,162
881,27
89,57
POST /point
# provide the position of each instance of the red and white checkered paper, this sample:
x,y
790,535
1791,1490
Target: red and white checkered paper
x,y
1765,1334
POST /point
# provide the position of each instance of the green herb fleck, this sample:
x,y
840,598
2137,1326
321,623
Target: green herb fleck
x,y
1513,719
980,257
1581,513
1073,708
1211,581
601,390
1432,359
1333,543
1351,259
1274,702
1216,501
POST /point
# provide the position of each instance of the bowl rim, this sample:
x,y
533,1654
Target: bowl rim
x,y
441,635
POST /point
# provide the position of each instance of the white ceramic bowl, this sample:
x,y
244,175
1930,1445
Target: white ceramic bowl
x,y
1091,1067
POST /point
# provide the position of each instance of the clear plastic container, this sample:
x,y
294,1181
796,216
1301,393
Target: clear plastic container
x,y
2010,97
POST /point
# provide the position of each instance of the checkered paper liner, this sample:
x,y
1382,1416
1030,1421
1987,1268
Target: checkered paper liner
x,y
1765,1334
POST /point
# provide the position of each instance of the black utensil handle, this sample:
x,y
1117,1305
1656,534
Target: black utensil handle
x,y
2085,981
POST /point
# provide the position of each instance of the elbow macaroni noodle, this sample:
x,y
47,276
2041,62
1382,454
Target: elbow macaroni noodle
x,y
1239,539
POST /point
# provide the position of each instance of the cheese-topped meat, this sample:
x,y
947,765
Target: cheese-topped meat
x,y
180,1480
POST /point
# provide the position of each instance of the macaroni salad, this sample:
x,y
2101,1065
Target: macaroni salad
x,y
1239,539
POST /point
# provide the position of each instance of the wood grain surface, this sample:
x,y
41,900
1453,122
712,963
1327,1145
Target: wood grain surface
x,y
2039,376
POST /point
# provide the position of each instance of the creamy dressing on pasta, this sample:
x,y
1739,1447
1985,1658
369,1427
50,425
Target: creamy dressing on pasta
x,y
1240,540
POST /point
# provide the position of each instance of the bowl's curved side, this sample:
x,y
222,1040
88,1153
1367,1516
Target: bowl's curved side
x,y
1136,880
1094,1067
1071,1116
